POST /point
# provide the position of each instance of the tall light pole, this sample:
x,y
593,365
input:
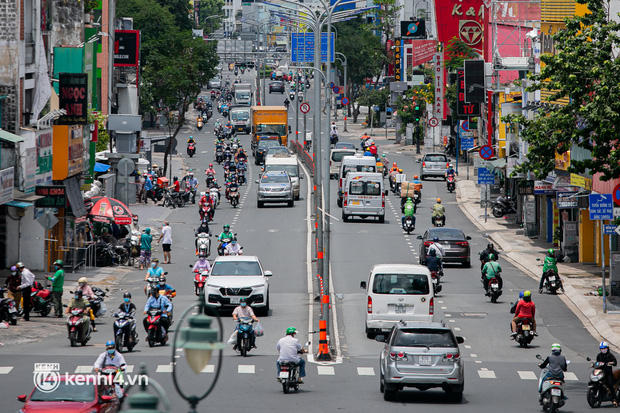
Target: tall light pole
x,y
346,85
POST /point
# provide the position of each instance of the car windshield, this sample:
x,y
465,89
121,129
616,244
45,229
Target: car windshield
x,y
446,234
215,80
435,158
240,115
345,145
291,170
273,151
423,337
236,268
338,155
67,392
415,284
244,94
274,179
358,168
267,143
277,129
276,83
365,188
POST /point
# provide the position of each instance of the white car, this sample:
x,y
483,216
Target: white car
x,y
234,277
214,83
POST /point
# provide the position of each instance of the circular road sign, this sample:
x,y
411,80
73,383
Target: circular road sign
x,y
331,84
432,122
616,194
336,89
486,152
304,107
344,101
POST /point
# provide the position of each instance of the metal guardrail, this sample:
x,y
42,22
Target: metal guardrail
x,y
306,157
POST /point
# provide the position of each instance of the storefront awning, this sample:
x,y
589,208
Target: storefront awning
x,y
18,204
101,167
11,137
498,163
20,196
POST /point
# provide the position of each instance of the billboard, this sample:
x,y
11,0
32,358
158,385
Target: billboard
x,y
463,20
126,48
413,29
462,107
73,98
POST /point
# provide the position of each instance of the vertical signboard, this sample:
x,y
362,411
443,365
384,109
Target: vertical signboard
x,y
463,108
7,181
398,60
44,157
438,106
126,48
474,81
30,168
73,98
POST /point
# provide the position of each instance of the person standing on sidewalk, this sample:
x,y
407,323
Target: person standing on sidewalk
x,y
166,235
26,287
148,188
145,248
58,282
12,284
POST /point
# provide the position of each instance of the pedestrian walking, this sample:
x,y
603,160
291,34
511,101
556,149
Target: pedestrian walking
x,y
166,236
26,287
148,188
145,248
12,284
58,282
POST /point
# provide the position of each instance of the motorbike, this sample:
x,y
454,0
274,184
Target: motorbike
x,y
96,302
156,333
107,254
209,179
191,148
129,245
245,330
286,104
333,139
436,277
200,279
300,96
289,375
503,206
291,96
74,327
241,177
125,333
408,226
215,195
524,333
233,197
206,211
552,282
597,386
552,394
438,221
171,199
40,299
8,311
493,291
204,244
223,243
219,155
450,183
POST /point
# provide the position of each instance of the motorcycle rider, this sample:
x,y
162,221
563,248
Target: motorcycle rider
x,y
491,270
78,301
449,171
202,264
210,170
609,361
154,272
110,357
438,211
87,293
205,200
556,365
526,309
225,234
191,140
176,185
161,302
202,229
232,186
550,264
514,306
242,156
289,349
484,255
244,310
433,262
233,248
12,283
439,249
287,102
127,306
409,208
169,291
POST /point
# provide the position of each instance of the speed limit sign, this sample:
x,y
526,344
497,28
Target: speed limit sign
x,y
304,107
432,122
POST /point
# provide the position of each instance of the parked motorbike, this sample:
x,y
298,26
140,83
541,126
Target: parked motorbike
x,y
597,386
245,330
191,147
204,244
8,311
171,198
450,183
156,333
438,221
524,333
552,394
40,299
289,375
107,254
493,291
74,327
408,226
503,206
125,333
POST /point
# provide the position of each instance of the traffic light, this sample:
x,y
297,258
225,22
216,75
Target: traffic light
x,y
417,112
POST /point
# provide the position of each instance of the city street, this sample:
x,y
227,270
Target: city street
x,y
498,373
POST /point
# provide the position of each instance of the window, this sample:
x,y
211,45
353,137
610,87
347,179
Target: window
x,y
446,234
242,95
435,158
291,170
277,129
356,188
69,392
337,156
365,188
267,143
423,337
240,115
413,284
236,268
373,188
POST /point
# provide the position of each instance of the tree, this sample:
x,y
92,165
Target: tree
x,y
585,70
374,97
457,51
181,11
211,8
387,16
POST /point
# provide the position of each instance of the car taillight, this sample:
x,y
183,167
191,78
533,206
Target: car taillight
x,y
452,356
383,200
447,165
345,198
400,354
431,306
340,182
392,355
428,243
463,243
423,164
369,305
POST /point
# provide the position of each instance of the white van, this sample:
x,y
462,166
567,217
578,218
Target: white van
x,y
397,292
335,160
363,196
354,163
287,163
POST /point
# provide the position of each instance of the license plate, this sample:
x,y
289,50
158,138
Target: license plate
x,y
234,300
526,327
355,202
494,285
239,129
284,374
425,360
401,309
12,310
556,392
446,247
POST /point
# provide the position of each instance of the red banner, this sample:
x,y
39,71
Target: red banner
x,y
423,51
461,19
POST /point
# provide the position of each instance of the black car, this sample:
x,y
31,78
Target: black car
x,y
276,86
262,148
454,241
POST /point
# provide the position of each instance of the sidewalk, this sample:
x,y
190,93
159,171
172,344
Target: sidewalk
x,y
579,280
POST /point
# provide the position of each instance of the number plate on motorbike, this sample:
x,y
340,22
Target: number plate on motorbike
x,y
284,374
556,392
234,300
425,360
12,310
494,285
526,327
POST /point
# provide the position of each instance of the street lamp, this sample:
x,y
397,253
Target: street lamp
x,y
145,402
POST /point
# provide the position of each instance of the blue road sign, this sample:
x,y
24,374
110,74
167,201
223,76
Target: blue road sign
x,y
601,207
467,143
299,53
485,177
609,229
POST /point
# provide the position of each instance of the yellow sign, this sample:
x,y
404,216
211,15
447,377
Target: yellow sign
x,y
562,161
581,181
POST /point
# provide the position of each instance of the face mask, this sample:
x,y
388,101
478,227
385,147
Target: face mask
x,y
243,304
77,297
111,351
604,350
126,300
56,267
14,272
153,264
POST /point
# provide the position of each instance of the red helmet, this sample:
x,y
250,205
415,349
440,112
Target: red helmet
x,y
210,165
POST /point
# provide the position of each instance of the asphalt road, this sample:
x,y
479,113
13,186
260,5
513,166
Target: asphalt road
x,y
498,373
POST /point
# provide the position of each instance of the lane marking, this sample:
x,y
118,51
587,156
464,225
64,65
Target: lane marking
x,y
486,374
527,375
164,368
448,315
366,371
570,376
83,369
444,308
246,369
473,355
467,346
457,328
5,370
209,368
325,371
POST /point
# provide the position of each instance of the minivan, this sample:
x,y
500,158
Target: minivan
x,y
397,292
354,163
288,164
435,165
335,160
364,196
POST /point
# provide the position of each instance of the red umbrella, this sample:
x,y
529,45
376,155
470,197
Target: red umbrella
x,y
108,210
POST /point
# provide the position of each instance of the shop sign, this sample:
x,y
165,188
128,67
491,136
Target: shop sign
x,y
54,196
398,60
44,157
462,107
30,163
526,187
422,51
126,48
438,105
567,200
462,19
543,188
73,98
581,181
7,182
562,161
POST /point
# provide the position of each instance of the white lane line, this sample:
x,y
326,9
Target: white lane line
x,y
457,328
209,368
444,308
325,371
5,370
448,315
365,371
129,368
570,376
246,369
478,362
527,375
467,346
451,321
473,356
164,368
486,374
83,369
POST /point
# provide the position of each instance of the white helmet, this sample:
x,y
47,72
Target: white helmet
x,y
202,194
82,280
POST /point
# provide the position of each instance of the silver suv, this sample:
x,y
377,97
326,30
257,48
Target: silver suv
x,y
434,164
274,186
421,355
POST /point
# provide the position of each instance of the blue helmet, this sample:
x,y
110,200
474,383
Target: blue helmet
x,y
110,344
603,345
521,294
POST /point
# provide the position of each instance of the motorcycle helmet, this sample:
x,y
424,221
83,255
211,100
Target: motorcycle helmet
x,y
156,260
383,156
162,280
490,246
394,165
603,345
290,331
450,166
82,280
110,345
521,294
210,165
191,174
78,294
400,170
435,239
191,137
416,177
527,294
432,252
551,252
154,292
127,295
243,300
556,347
226,227
176,178
491,257
59,262
14,270
20,265
409,199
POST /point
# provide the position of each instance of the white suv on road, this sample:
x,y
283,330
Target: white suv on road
x,y
234,277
